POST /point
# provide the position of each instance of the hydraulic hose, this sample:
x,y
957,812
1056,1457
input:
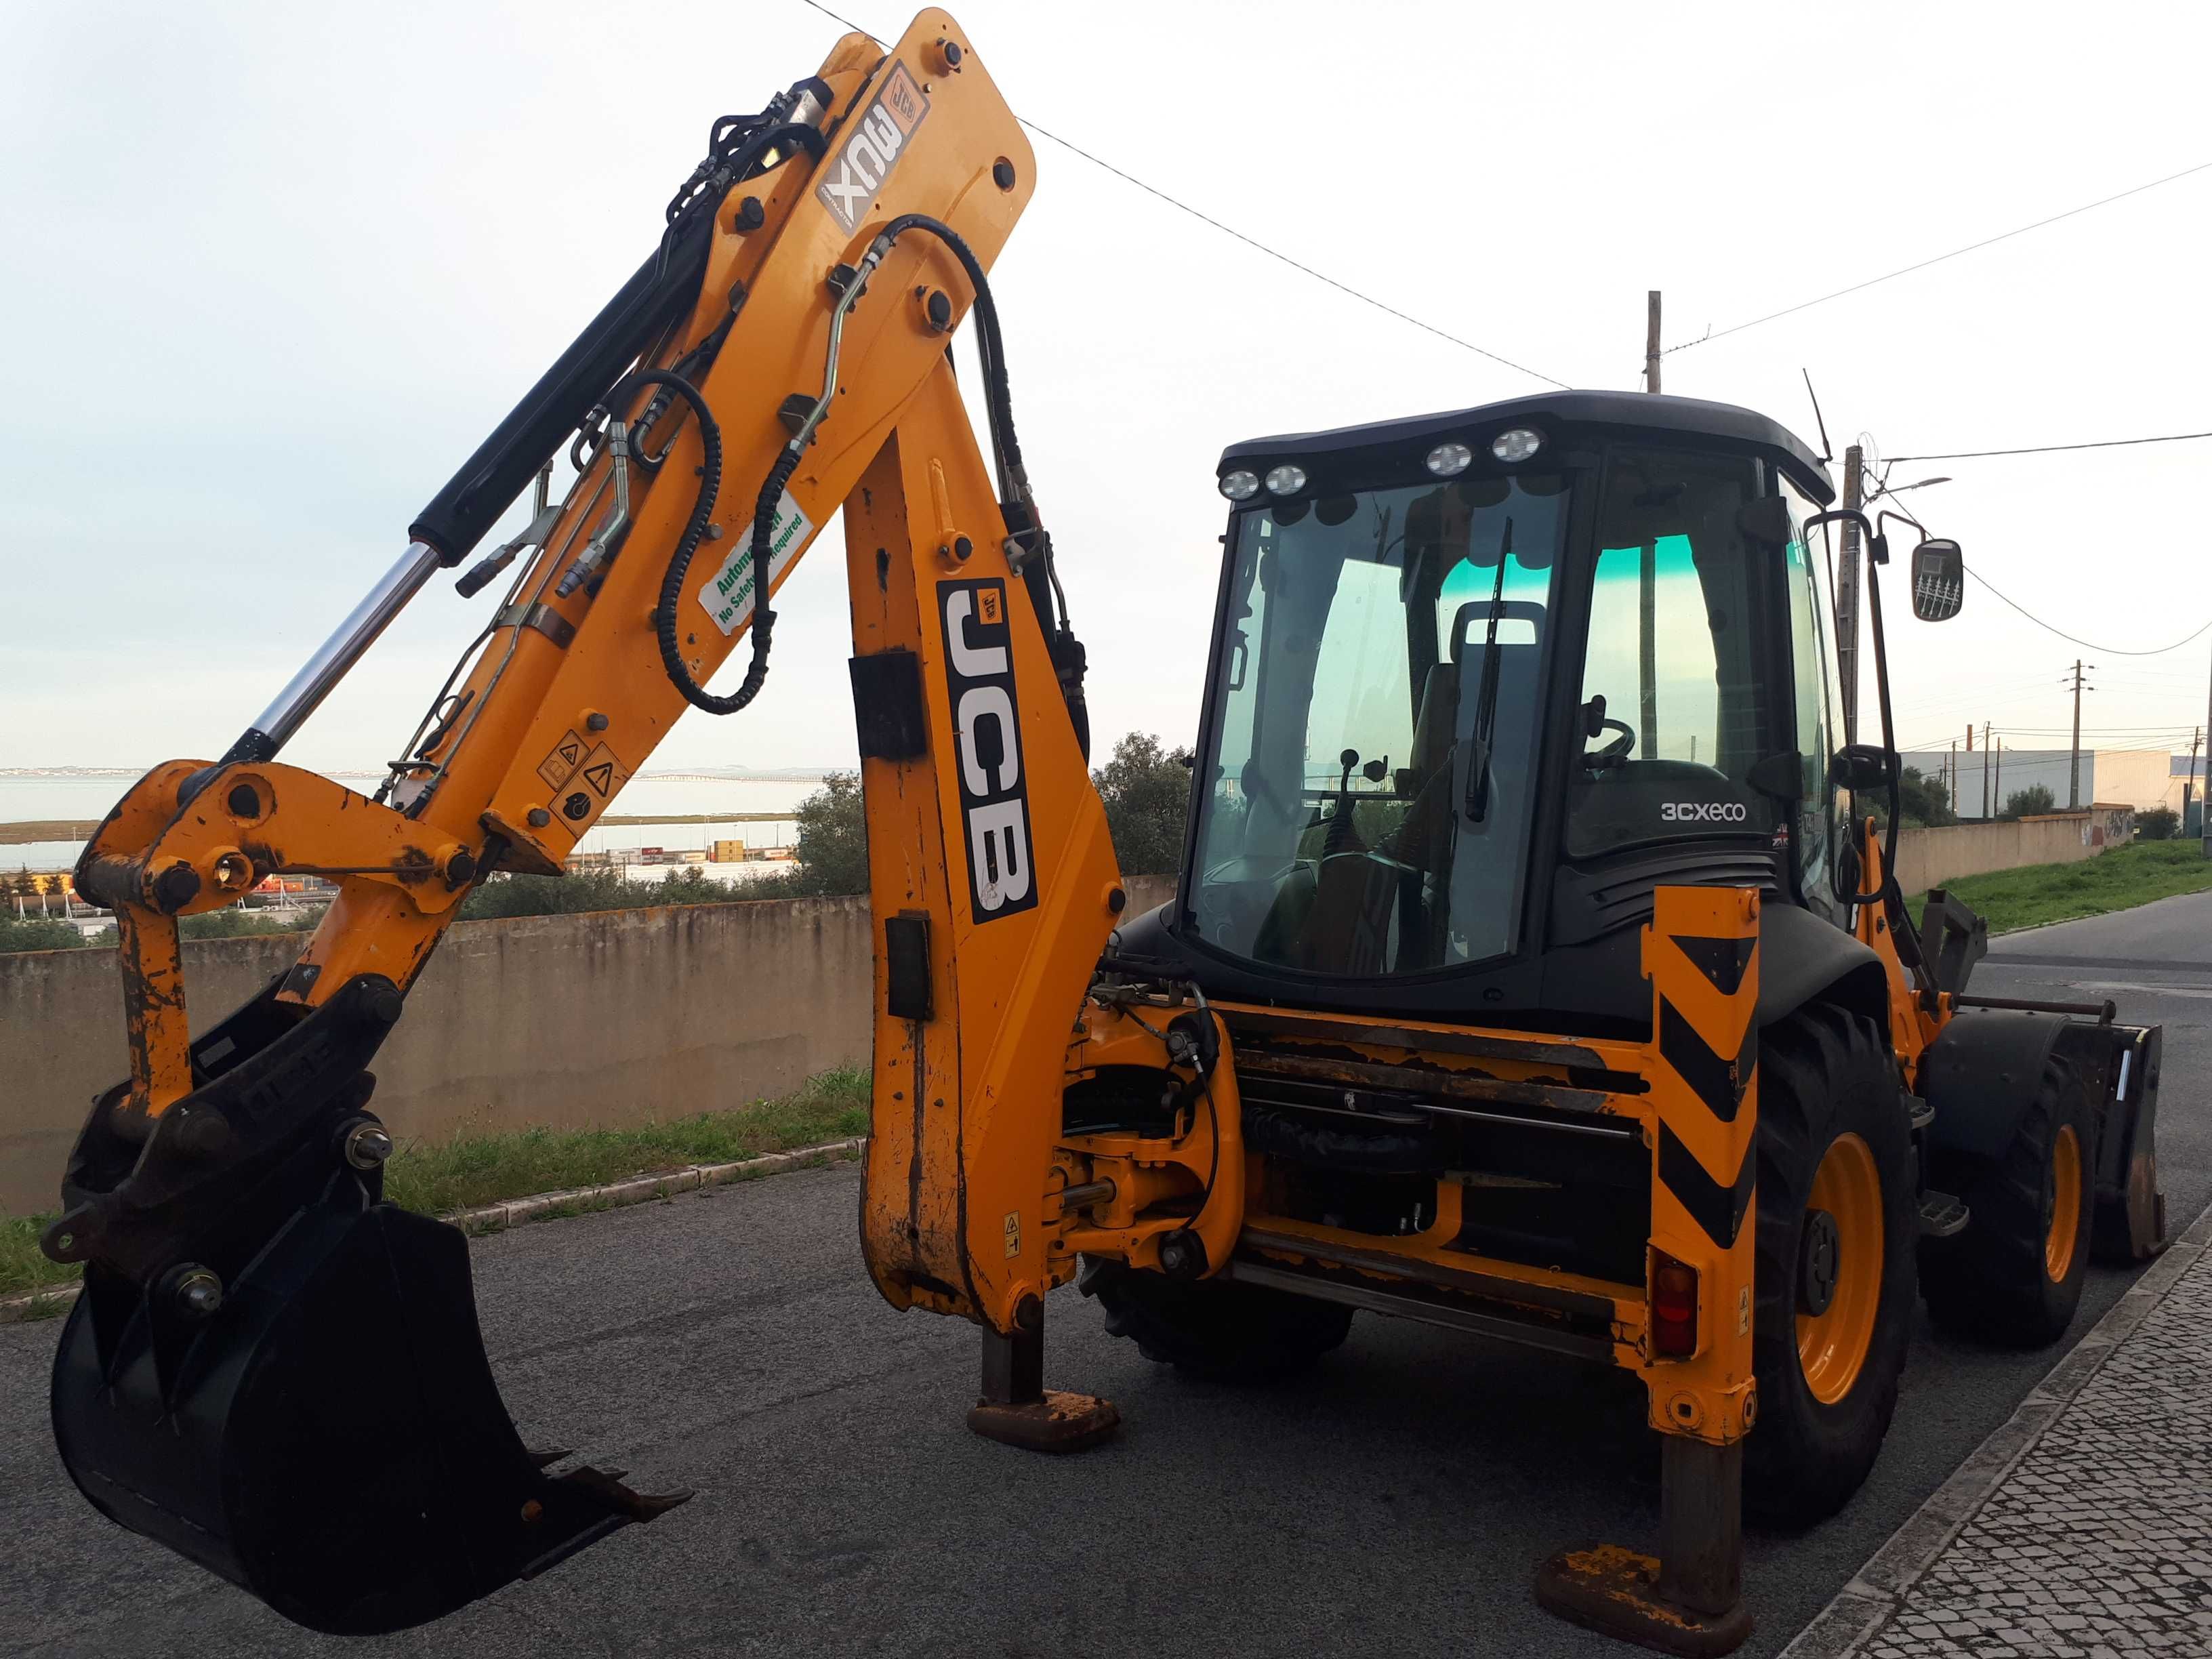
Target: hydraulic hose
x,y
694,528
1037,572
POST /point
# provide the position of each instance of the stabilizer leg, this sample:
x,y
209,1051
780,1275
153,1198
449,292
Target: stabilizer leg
x,y
1016,1407
1689,1598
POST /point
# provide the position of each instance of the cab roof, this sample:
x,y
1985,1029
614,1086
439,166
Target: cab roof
x,y
1624,412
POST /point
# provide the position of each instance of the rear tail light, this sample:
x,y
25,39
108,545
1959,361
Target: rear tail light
x,y
1673,1308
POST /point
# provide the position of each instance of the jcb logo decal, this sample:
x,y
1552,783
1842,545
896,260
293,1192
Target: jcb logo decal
x,y
987,729
878,139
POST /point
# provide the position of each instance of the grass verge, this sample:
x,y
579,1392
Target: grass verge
x,y
2120,879
485,1169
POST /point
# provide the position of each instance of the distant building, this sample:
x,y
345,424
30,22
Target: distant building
x,y
2142,779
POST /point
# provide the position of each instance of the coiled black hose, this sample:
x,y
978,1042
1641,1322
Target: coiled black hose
x,y
694,528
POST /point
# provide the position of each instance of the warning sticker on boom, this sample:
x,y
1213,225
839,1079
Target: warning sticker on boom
x,y
728,594
557,767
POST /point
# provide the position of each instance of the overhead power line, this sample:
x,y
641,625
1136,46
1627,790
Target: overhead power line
x,y
2113,650
2049,449
1906,271
1249,241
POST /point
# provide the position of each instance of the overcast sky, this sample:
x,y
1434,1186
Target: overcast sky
x,y
270,272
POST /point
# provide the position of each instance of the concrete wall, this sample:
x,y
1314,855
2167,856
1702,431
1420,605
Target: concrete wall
x,y
612,1018
1928,858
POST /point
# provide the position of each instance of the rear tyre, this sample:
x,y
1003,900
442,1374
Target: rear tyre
x,y
1214,1329
2014,1275
1834,1277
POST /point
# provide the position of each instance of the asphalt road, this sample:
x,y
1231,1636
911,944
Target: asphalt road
x,y
1397,1501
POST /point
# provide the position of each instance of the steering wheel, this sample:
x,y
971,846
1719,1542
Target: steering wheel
x,y
1597,760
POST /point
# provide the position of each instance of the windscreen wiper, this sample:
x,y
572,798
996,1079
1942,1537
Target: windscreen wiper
x,y
1486,708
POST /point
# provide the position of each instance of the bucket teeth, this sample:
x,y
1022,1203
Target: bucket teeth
x,y
546,1460
606,1485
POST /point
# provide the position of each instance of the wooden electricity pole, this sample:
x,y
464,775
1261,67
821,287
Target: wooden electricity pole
x,y
2188,780
1651,340
1985,771
2074,770
1847,597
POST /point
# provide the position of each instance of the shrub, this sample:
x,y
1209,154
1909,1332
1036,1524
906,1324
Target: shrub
x,y
38,933
2030,802
2158,823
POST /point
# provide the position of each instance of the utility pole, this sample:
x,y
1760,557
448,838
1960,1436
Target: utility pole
x,y
1951,774
1651,340
2074,770
1998,789
1847,600
2188,780
2204,811
1985,771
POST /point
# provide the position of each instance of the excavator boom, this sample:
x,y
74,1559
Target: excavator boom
x,y
263,1343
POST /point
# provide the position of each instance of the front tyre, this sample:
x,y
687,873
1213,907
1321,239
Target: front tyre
x,y
1834,1277
1214,1329
2014,1275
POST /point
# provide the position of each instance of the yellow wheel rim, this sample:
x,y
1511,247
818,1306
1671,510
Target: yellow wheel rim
x,y
2060,1240
1832,1344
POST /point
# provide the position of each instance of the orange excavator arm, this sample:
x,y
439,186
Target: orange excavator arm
x,y
783,353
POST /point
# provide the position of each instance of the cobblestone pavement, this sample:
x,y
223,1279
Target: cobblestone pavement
x,y
2084,1528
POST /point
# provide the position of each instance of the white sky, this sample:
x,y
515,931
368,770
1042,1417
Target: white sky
x,y
269,273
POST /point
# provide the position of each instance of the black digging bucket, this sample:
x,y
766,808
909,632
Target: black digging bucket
x,y
295,1393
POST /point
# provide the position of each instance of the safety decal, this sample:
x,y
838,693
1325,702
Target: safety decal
x,y
1719,1210
595,783
728,594
1718,1080
987,733
851,178
557,767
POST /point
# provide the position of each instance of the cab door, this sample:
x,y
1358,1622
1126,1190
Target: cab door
x,y
1813,675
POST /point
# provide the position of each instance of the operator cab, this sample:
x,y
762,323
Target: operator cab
x,y
1482,681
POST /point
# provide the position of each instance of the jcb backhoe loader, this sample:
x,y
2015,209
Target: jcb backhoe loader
x,y
1529,973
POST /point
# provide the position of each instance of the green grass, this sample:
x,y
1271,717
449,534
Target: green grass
x,y
2117,880
484,1169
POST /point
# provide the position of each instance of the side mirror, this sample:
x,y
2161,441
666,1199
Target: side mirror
x,y
1860,767
1939,580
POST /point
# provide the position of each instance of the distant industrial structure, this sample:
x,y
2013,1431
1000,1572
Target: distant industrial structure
x,y
1979,783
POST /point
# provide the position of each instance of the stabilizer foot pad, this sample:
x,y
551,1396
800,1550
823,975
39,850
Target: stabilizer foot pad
x,y
1060,1422
1615,1591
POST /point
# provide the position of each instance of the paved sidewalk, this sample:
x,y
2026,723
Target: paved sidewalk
x,y
2080,1528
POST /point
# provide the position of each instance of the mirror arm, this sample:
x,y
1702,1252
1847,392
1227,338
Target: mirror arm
x,y
1892,897
1877,544
1888,513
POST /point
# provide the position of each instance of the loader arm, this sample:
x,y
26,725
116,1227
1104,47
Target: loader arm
x,y
838,241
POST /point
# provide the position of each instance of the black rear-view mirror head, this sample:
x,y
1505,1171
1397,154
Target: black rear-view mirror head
x,y
1939,580
1861,767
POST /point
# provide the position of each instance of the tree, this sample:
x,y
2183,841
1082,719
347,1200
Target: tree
x,y
1147,790
2030,802
833,842
2157,823
1923,799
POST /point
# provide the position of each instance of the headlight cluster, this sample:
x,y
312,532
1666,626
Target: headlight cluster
x,y
1447,460
1243,485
